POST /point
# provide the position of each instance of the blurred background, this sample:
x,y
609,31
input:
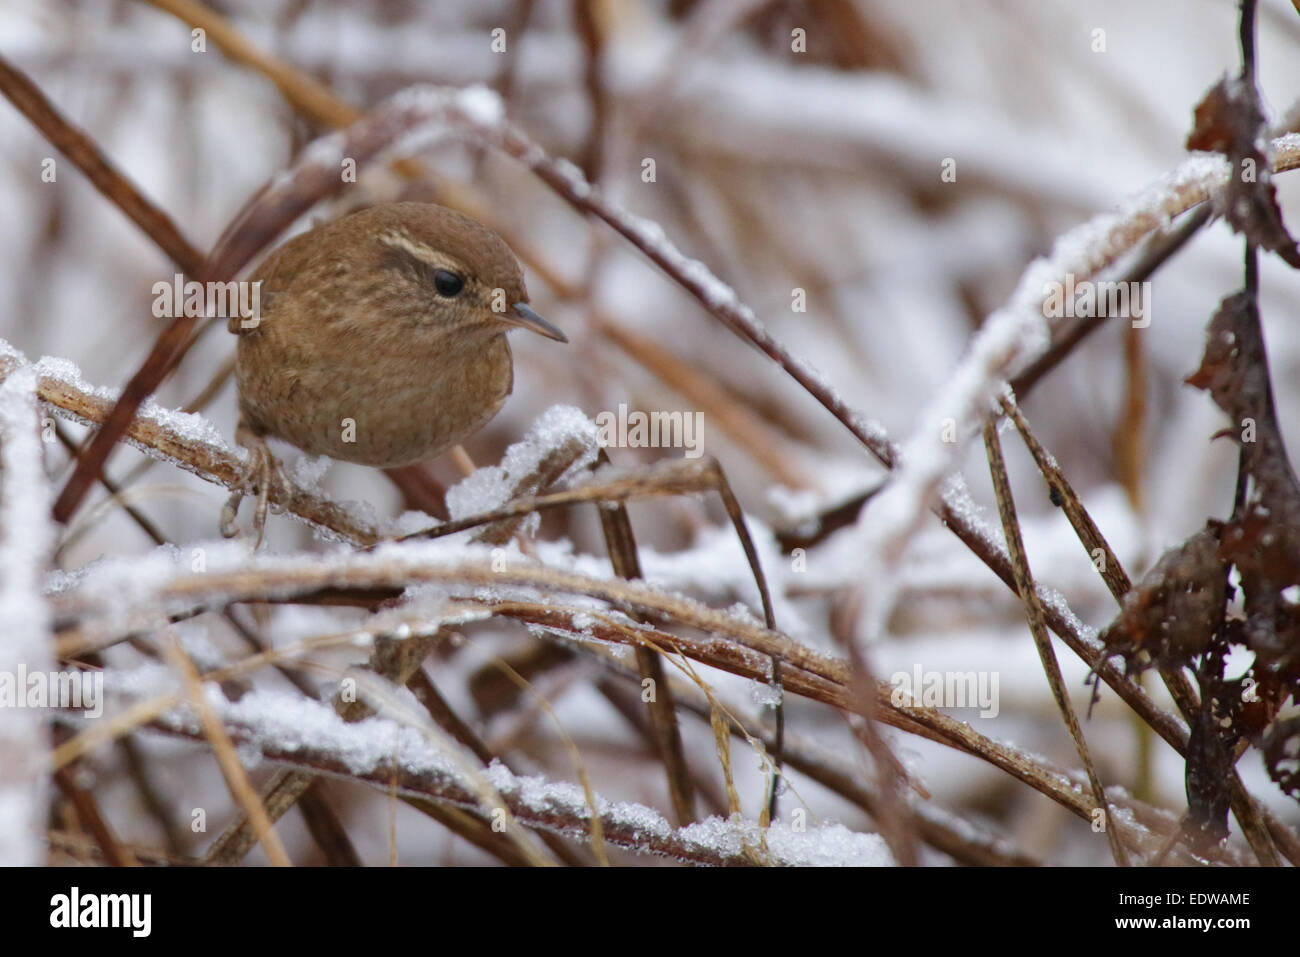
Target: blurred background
x,y
816,170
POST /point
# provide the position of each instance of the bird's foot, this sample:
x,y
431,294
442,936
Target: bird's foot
x,y
263,471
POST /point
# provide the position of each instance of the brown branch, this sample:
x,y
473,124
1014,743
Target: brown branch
x,y
397,662
324,108
221,467
729,643
83,153
115,853
411,782
241,789
1248,813
213,463
427,786
703,392
85,852
961,840
1034,612
621,545
721,302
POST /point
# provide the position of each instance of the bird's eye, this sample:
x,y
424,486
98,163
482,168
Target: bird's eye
x,y
447,283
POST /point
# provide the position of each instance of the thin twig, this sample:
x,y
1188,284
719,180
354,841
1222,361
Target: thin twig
x,y
620,543
236,778
115,853
1034,612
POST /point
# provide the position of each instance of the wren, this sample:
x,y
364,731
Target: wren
x,y
381,340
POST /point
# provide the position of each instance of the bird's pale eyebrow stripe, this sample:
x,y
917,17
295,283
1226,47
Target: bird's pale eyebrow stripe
x,y
422,254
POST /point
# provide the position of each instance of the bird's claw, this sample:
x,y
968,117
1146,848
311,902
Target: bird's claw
x,y
263,471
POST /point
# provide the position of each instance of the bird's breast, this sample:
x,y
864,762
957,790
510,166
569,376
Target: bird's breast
x,y
385,407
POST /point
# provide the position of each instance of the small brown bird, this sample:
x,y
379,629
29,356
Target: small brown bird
x,y
380,340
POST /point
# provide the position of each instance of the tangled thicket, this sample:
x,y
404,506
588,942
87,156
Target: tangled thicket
x,y
804,221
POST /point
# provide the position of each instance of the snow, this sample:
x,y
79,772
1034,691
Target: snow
x,y
188,426
823,845
191,431
715,567
492,486
308,471
1009,339
764,696
482,105
478,103
274,721
434,113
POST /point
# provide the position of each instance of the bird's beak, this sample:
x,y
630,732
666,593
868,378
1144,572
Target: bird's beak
x,y
525,317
